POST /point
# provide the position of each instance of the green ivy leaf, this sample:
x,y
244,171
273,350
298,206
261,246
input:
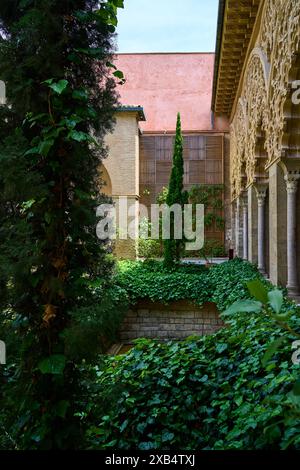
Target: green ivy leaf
x,y
45,146
282,317
81,95
146,445
79,136
167,436
59,87
32,151
124,425
276,299
119,74
220,347
258,290
54,364
271,350
244,306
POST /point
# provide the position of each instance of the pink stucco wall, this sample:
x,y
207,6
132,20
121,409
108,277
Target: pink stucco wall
x,y
167,83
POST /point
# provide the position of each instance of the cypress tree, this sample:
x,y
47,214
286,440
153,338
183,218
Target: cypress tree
x,y
55,58
176,195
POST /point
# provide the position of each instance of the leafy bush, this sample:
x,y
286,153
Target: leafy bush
x,y
93,327
148,248
222,284
212,249
211,392
224,391
150,280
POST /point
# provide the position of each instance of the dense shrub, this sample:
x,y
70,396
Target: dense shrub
x,y
212,248
92,329
221,284
150,280
204,393
149,248
212,392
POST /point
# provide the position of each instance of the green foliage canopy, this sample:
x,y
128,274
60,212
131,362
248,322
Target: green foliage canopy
x,y
56,61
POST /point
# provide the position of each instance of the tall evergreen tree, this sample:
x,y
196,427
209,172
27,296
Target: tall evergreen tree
x,y
55,58
176,195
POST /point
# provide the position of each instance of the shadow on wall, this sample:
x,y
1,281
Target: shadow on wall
x,y
106,186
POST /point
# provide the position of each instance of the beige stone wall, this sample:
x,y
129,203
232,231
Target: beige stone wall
x,y
121,170
175,321
122,163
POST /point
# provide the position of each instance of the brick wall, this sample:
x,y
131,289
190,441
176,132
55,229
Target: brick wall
x,y
177,320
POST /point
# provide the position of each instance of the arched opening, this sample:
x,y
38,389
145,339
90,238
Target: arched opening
x,y
291,140
105,185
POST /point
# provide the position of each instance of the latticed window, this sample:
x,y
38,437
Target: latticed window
x,y
164,148
147,171
194,147
203,160
163,171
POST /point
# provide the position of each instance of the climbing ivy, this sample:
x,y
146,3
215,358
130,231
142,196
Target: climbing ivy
x,y
56,61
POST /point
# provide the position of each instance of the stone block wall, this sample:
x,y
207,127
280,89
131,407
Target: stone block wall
x,y
177,320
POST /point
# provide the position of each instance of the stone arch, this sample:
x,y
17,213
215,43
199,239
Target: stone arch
x,y
238,140
251,114
260,153
291,129
256,96
266,66
234,164
105,183
285,24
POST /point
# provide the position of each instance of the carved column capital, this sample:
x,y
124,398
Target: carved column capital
x,y
261,192
244,199
291,180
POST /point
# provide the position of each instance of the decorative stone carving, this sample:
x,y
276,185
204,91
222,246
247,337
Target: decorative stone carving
x,y
237,148
265,90
292,179
251,115
292,182
284,20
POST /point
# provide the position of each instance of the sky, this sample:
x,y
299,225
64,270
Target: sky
x,y
167,26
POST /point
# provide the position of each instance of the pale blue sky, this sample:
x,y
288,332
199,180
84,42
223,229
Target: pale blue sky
x,y
168,26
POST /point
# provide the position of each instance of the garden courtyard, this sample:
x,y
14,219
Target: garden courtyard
x,y
147,338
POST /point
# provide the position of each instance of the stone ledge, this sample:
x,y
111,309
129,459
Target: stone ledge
x,y
177,320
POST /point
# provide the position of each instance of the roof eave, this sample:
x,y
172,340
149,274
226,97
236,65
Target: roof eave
x,y
220,25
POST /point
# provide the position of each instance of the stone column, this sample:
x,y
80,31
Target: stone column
x,y
292,278
237,228
261,191
252,225
245,228
277,226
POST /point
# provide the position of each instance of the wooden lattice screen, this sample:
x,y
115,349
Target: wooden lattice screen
x,y
203,164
